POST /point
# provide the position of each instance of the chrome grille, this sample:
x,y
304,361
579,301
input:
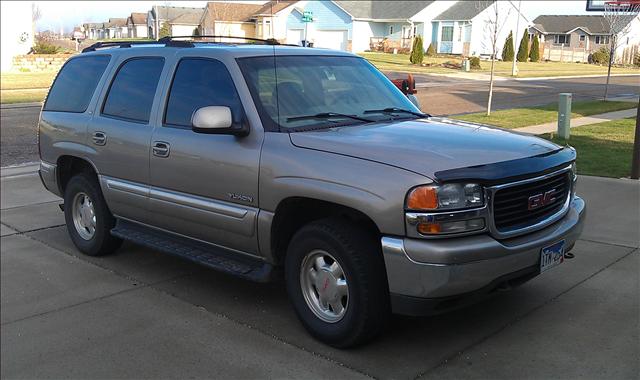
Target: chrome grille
x,y
511,205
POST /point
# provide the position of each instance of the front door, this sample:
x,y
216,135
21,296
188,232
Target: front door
x,y
204,186
120,132
446,39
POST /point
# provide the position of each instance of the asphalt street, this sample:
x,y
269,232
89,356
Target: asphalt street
x,y
144,314
438,95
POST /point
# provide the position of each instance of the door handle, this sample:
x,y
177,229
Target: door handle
x,y
99,138
160,149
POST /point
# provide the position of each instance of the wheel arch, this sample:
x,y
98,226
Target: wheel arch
x,y
69,165
294,212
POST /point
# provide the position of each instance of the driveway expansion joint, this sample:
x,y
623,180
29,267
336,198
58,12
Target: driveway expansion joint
x,y
521,317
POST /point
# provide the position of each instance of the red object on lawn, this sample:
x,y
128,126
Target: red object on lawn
x,y
407,86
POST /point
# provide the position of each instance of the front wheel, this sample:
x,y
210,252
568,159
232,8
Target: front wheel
x,y
89,221
337,283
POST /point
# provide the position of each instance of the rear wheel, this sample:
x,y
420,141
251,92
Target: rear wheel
x,y
337,283
89,221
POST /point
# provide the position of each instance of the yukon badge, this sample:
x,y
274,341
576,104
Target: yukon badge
x,y
240,197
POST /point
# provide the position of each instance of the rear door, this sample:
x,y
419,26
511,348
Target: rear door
x,y
205,186
120,133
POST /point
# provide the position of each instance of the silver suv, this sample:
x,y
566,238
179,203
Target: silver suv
x,y
267,161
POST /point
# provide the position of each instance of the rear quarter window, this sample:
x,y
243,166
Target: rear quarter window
x,y
75,84
133,89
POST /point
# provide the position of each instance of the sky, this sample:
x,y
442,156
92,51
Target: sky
x,y
67,14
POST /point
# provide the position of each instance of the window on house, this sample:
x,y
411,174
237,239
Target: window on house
x,y
561,39
133,89
602,40
447,33
582,38
200,82
73,89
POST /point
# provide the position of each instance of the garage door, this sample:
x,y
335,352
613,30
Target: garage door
x,y
331,39
295,36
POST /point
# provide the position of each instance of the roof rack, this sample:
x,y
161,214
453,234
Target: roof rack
x,y
270,41
175,41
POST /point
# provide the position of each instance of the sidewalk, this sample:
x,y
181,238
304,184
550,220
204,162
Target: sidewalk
x,y
578,122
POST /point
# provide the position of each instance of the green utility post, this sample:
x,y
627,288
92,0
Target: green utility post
x,y
564,115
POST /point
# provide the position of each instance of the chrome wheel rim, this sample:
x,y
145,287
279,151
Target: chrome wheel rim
x,y
324,286
84,216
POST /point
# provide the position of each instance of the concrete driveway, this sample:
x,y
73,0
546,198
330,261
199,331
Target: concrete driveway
x,y
143,314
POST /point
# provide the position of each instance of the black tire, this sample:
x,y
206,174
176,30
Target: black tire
x,y
102,242
359,254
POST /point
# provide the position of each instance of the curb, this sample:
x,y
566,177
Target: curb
x,y
574,77
20,169
20,105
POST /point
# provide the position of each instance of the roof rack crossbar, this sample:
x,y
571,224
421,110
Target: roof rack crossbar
x,y
125,44
174,41
270,41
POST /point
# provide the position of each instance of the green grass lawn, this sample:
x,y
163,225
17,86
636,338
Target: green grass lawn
x,y
604,149
22,96
13,81
400,62
524,117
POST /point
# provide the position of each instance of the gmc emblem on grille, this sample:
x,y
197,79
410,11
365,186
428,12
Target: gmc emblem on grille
x,y
539,200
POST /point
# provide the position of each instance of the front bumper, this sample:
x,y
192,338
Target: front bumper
x,y
425,273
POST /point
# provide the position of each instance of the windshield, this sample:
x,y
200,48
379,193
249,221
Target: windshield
x,y
305,91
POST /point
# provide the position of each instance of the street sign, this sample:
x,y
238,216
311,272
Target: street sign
x,y
307,16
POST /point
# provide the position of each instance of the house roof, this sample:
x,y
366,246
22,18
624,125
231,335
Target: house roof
x,y
179,15
138,18
463,11
274,6
116,22
555,24
383,10
230,12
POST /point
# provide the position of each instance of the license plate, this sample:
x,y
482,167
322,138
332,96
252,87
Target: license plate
x,y
551,256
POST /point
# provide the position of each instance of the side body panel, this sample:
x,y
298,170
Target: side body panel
x,y
207,187
377,190
123,160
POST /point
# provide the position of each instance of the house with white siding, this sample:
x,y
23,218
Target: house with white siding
x,y
392,23
182,21
464,28
137,25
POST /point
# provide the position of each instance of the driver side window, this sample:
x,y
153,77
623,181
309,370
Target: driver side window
x,y
197,83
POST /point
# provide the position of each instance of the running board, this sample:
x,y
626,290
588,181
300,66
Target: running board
x,y
201,253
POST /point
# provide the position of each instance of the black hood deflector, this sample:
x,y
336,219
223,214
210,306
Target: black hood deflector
x,y
509,171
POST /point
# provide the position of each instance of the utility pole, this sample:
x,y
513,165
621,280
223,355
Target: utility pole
x,y
514,69
635,158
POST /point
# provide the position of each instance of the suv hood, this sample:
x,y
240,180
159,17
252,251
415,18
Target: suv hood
x,y
425,146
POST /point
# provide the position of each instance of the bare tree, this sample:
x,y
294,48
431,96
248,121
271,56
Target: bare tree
x,y
493,24
36,14
617,19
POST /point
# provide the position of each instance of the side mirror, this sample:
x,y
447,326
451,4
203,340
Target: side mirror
x,y
414,99
216,120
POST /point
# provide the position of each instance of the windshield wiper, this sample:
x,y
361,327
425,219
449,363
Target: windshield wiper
x,y
398,110
329,115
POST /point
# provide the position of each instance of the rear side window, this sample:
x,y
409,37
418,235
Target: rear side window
x,y
200,82
133,88
75,84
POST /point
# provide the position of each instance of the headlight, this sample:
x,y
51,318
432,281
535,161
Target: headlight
x,y
446,197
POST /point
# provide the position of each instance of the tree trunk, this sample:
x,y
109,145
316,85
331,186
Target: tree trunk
x,y
493,60
612,51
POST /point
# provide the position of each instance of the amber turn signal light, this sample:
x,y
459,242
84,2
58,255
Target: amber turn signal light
x,y
423,198
429,228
